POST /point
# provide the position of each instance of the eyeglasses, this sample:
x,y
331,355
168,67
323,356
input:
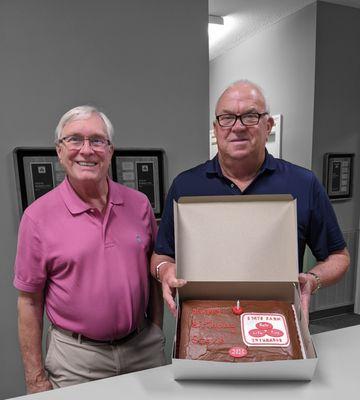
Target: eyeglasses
x,y
229,120
76,142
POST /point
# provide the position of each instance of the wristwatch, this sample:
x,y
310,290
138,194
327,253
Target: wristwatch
x,y
318,281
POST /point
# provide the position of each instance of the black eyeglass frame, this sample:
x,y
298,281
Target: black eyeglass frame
x,y
240,117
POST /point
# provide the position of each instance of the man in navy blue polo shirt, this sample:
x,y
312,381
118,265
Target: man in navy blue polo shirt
x,y
243,166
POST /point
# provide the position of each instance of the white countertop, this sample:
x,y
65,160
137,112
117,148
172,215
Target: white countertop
x,y
337,377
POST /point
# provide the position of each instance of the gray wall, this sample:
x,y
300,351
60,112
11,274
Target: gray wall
x,y
281,59
144,62
337,122
337,101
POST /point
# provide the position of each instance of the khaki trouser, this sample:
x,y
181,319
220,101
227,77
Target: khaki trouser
x,y
70,361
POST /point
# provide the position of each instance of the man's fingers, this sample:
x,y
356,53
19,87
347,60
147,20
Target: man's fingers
x,y
169,285
170,303
305,289
305,310
176,283
38,387
173,309
169,291
168,297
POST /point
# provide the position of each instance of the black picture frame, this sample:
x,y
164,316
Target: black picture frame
x,y
338,175
37,171
143,170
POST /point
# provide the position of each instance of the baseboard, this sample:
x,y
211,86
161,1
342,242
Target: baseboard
x,y
330,312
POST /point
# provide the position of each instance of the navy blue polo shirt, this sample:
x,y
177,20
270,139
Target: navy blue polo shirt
x,y
317,223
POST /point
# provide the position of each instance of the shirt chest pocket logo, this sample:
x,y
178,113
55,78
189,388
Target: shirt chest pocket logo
x,y
131,240
142,241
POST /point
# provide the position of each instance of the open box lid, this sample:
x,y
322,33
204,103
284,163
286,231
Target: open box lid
x,y
236,238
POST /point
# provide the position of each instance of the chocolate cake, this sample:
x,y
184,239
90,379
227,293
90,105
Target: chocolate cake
x,y
213,331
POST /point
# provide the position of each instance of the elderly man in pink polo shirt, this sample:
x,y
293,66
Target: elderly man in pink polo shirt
x,y
83,253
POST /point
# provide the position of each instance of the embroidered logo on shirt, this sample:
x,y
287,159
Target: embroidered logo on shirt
x,y
138,238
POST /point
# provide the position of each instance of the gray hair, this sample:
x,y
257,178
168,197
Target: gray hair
x,y
249,83
83,112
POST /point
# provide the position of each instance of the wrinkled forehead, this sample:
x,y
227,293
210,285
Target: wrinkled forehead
x,y
244,95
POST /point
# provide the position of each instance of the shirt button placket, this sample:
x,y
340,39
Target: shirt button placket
x,y
235,189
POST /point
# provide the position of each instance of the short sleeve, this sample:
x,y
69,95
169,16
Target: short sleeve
x,y
165,243
152,226
324,236
30,269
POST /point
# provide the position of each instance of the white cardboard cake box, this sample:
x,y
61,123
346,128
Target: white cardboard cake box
x,y
230,247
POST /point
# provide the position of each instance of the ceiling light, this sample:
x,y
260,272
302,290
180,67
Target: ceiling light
x,y
215,28
215,19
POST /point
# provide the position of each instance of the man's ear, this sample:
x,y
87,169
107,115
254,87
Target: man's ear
x,y
59,152
214,129
111,149
269,124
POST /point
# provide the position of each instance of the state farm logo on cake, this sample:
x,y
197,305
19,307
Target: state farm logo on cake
x,y
264,329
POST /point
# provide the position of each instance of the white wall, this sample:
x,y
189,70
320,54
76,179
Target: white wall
x,y
281,59
145,63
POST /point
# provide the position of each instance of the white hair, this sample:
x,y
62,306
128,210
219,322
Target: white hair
x,y
83,112
249,83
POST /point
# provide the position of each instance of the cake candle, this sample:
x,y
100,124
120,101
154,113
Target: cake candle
x,y
237,309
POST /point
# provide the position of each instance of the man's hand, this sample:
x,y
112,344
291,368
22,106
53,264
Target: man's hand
x,y
330,271
37,382
163,268
169,282
306,288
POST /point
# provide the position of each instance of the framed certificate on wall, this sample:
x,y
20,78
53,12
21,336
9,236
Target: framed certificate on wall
x,y
142,170
37,170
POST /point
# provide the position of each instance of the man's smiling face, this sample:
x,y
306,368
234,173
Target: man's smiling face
x,y
85,164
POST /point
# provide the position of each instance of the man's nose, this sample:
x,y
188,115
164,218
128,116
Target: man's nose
x,y
86,147
238,124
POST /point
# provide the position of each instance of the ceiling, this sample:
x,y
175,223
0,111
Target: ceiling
x,y
244,18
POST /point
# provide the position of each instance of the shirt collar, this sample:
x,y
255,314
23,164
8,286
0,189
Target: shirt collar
x,y
77,206
269,162
213,166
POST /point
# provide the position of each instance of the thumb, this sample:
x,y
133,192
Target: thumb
x,y
179,283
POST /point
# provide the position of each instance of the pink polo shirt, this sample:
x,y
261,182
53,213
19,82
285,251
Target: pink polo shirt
x,y
94,269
